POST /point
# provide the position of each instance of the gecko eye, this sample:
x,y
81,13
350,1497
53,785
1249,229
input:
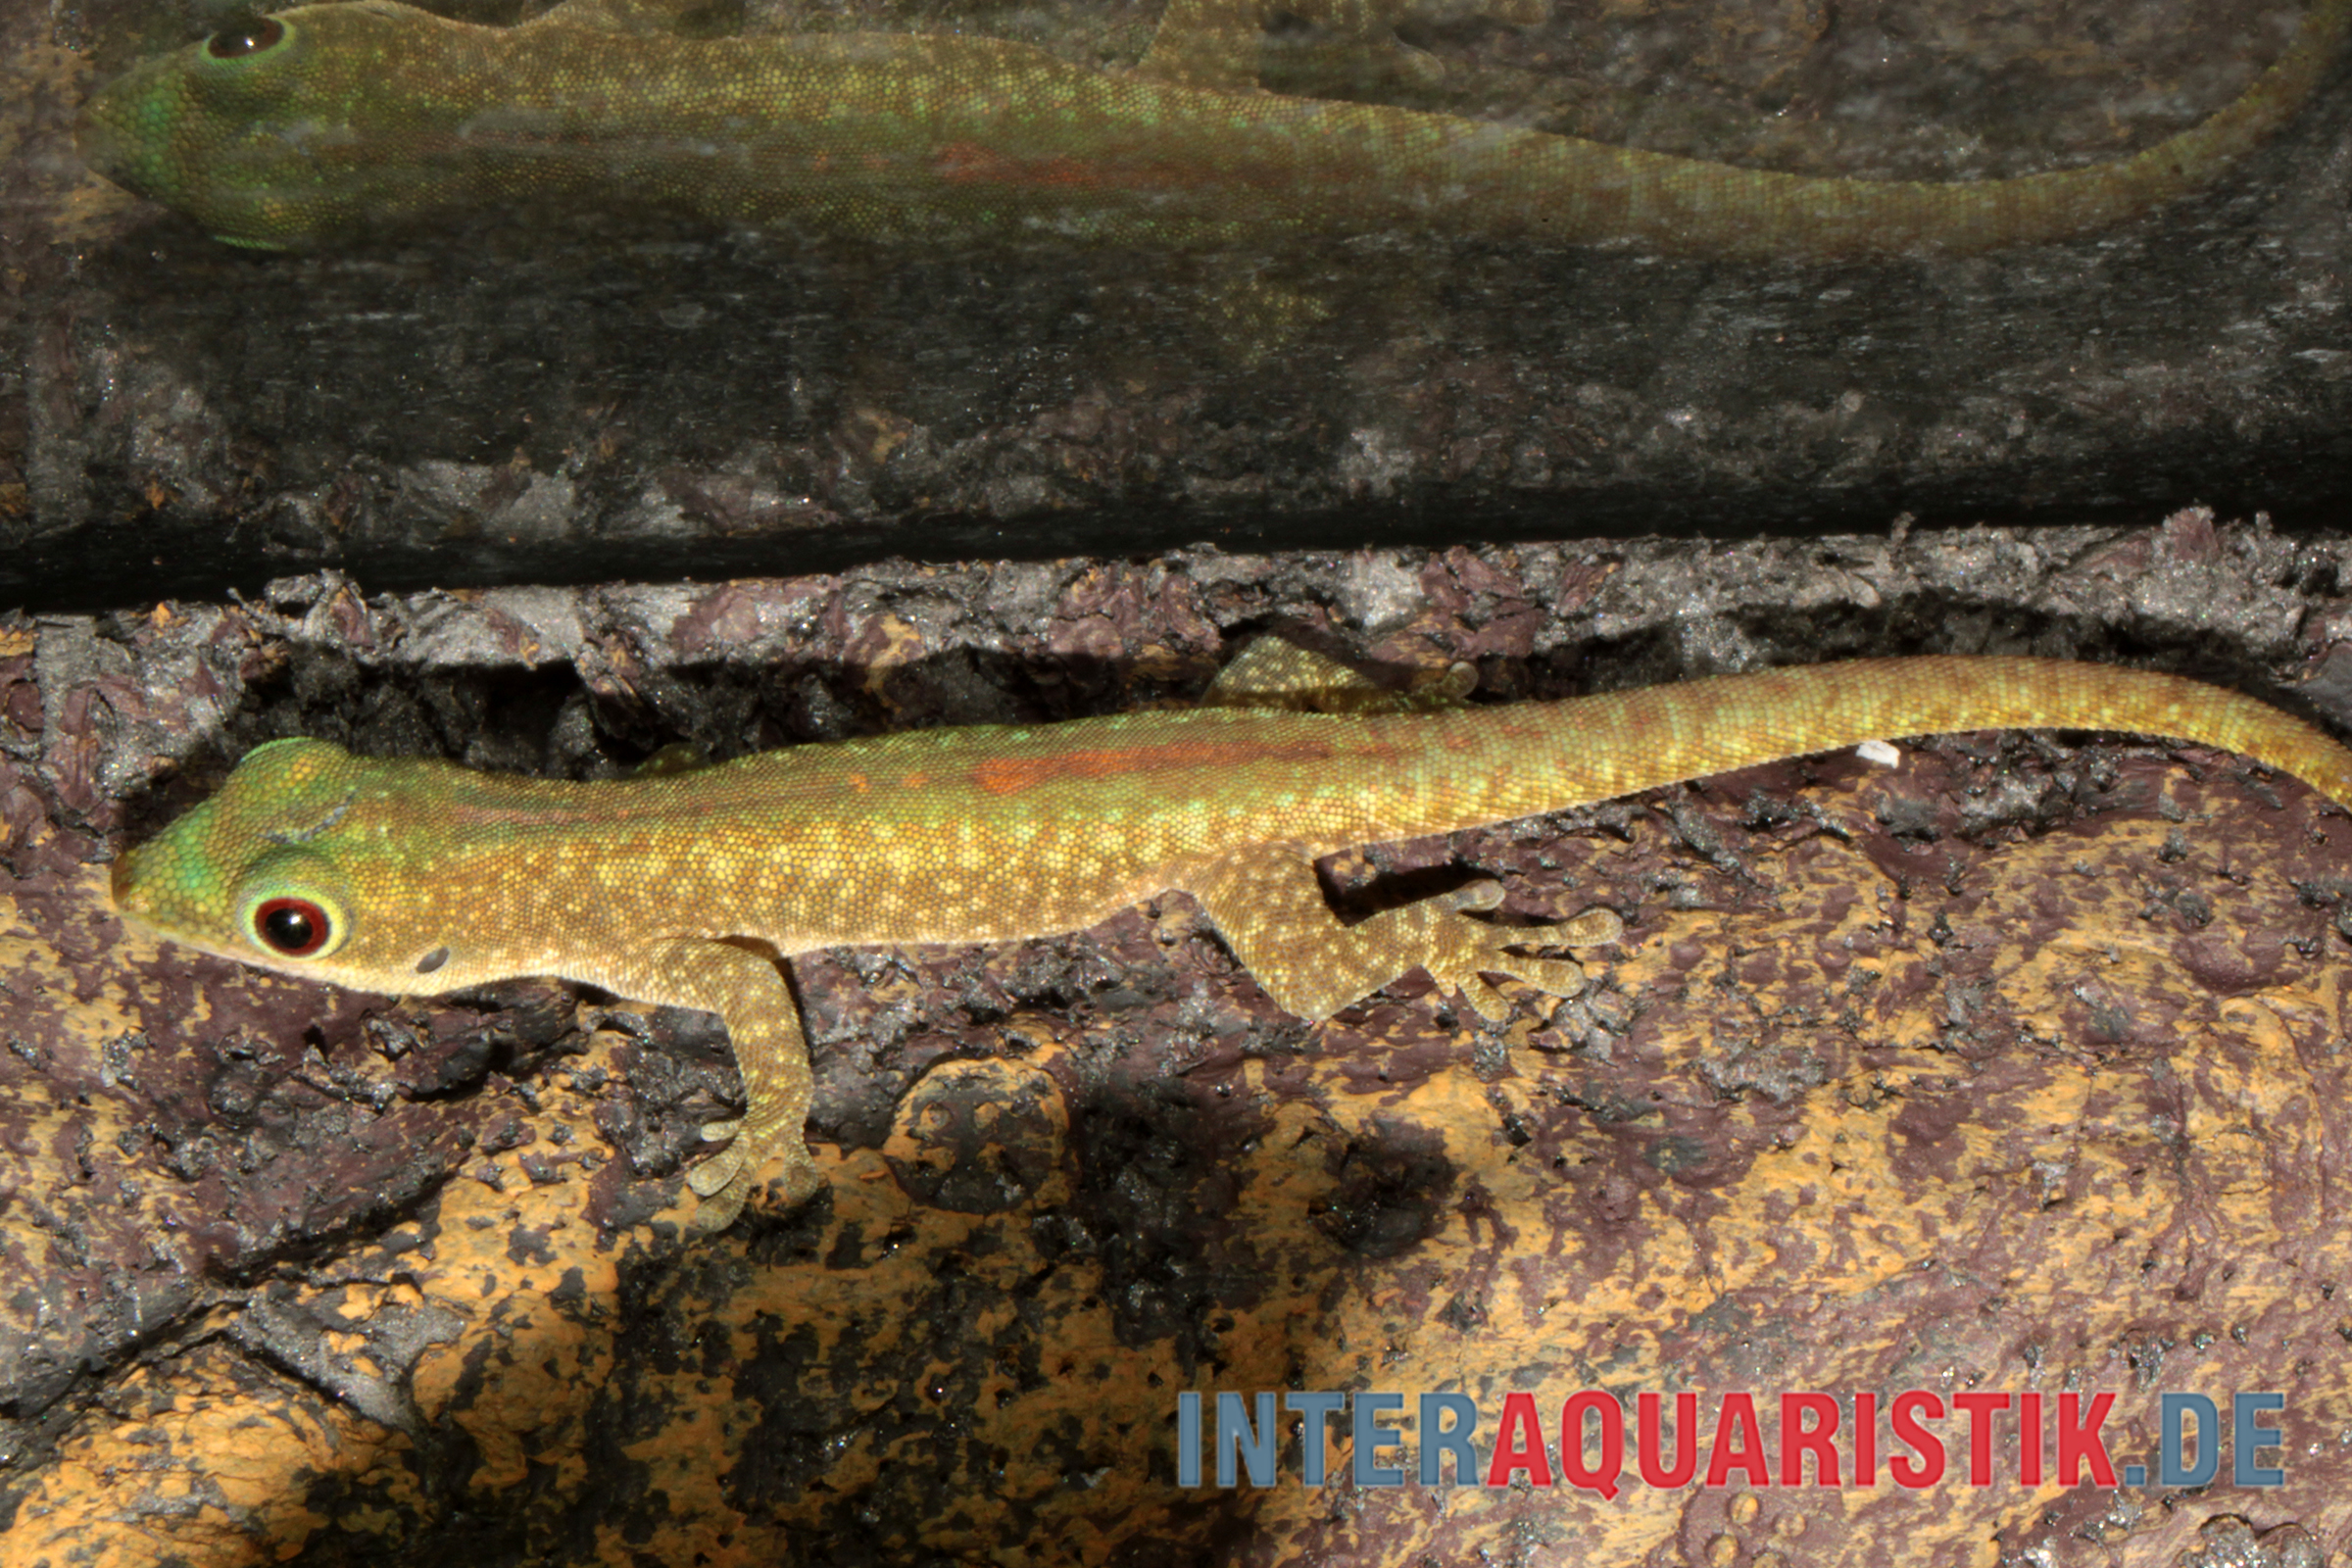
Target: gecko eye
x,y
293,928
245,35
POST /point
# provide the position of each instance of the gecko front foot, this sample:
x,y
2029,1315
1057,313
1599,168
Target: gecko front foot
x,y
725,1180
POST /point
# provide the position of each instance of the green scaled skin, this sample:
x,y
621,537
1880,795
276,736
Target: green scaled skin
x,y
327,120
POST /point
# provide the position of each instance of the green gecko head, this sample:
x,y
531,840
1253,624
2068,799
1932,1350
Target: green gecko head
x,y
281,129
297,865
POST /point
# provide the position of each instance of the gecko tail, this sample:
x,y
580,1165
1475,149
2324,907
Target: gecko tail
x,y
1523,759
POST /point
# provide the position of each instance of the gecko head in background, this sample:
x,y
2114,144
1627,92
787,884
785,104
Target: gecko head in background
x,y
274,868
280,129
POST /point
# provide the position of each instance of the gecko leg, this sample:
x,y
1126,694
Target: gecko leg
x,y
1270,907
764,1024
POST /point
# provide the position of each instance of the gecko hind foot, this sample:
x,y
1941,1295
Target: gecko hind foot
x,y
1459,953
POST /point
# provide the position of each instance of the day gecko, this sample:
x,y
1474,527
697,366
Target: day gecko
x,y
331,118
688,888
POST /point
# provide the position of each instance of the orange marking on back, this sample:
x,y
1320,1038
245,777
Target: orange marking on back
x,y
967,162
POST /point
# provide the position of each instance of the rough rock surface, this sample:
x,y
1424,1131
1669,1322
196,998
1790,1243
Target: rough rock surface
x,y
2011,1068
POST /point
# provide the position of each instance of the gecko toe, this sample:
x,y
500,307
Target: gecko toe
x,y
1554,977
1596,927
724,1181
1474,896
1486,999
718,1211
801,1183
718,1132
714,1173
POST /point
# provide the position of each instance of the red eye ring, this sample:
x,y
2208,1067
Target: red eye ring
x,y
292,928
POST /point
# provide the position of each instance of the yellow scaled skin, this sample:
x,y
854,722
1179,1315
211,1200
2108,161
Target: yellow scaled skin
x,y
687,888
331,119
